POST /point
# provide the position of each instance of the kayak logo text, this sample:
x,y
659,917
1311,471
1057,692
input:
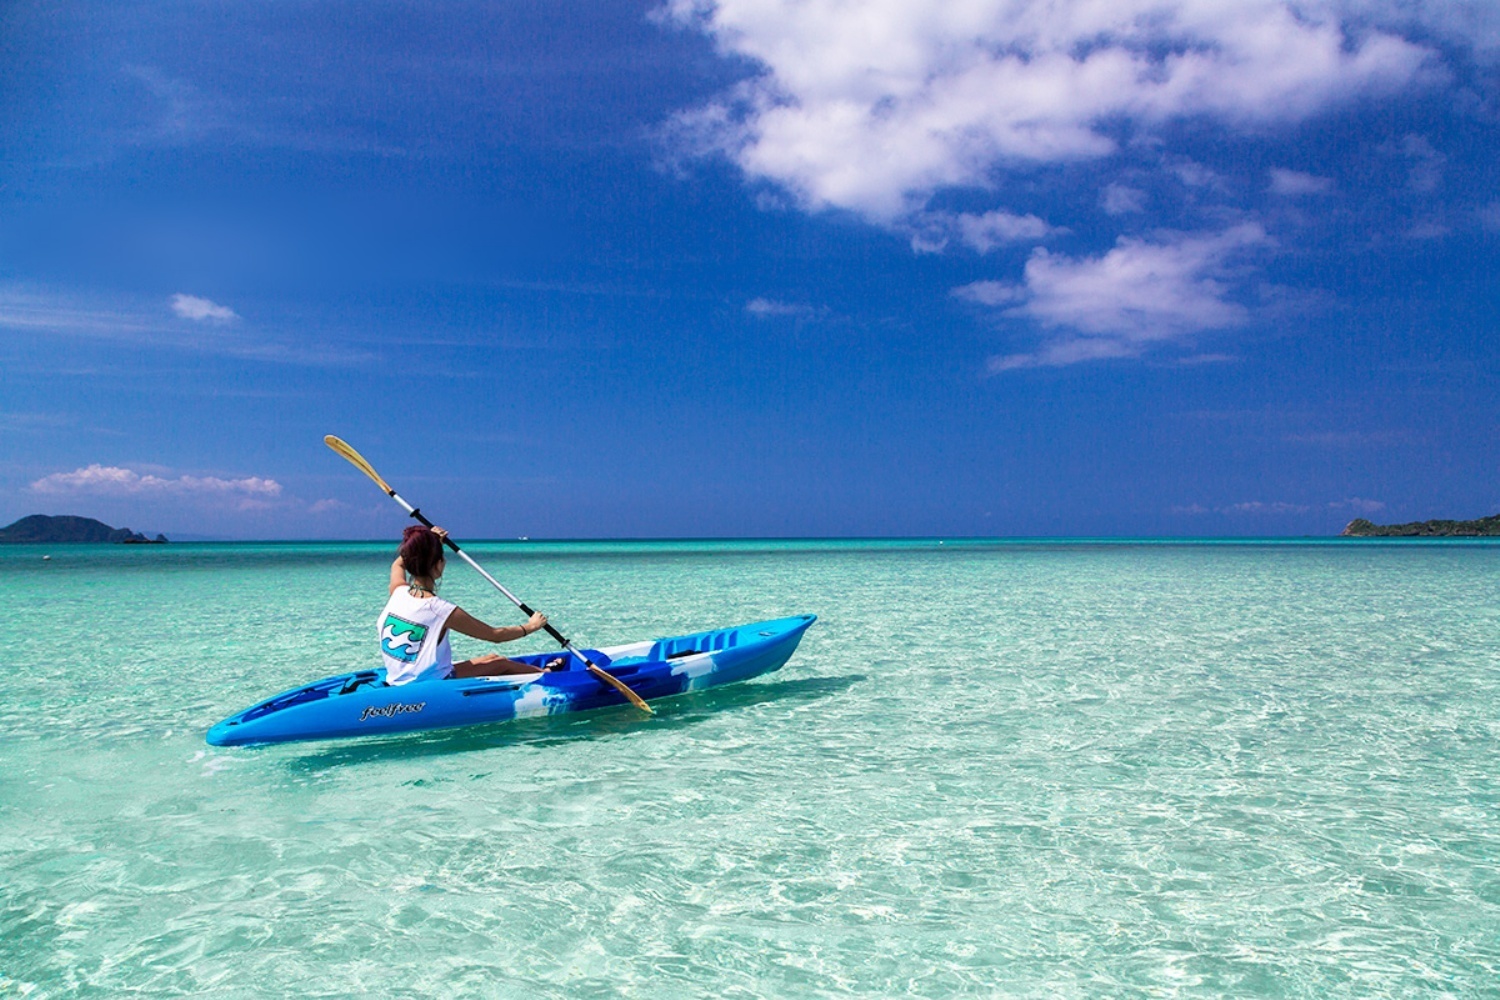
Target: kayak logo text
x,y
387,711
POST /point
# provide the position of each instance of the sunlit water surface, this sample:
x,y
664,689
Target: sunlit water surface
x,y
1000,769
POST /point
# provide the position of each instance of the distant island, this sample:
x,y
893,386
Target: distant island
x,y
40,528
1360,528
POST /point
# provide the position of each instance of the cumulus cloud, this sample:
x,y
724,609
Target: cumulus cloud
x,y
1294,183
874,107
202,310
1470,24
112,480
1116,305
983,232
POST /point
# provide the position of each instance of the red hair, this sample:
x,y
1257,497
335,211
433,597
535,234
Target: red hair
x,y
421,550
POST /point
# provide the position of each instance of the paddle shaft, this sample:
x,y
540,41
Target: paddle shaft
x,y
356,459
554,633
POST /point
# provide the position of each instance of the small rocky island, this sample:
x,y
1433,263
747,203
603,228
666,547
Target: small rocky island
x,y
1360,528
42,529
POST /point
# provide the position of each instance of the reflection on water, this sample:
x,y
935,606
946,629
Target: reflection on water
x,y
619,720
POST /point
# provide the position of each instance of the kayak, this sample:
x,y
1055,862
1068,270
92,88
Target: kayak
x,y
362,704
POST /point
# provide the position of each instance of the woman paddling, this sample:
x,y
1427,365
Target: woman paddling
x,y
415,622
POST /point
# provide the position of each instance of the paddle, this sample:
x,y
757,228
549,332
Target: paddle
x,y
358,461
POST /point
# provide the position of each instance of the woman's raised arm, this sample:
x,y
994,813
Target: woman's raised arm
x,y
466,624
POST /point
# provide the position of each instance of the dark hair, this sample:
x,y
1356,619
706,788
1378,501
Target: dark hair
x,y
421,550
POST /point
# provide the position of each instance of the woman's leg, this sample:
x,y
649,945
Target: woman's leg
x,y
491,665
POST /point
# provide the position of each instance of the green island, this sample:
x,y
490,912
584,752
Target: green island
x,y
1360,528
40,528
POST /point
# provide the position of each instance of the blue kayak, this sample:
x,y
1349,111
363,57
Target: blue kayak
x,y
362,704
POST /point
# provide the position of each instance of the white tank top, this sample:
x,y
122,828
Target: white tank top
x,y
414,638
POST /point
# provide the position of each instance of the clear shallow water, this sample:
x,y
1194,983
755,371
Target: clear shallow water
x,y
1016,769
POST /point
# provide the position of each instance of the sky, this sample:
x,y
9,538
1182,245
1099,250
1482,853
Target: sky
x,y
752,267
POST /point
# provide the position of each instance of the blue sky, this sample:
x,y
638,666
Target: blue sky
x,y
1157,267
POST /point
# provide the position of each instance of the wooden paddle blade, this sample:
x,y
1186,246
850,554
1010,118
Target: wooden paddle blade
x,y
357,460
619,686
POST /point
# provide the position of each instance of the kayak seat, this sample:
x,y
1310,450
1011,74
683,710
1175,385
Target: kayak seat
x,y
359,680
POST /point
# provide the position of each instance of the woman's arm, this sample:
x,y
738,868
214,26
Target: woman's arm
x,y
398,576
466,624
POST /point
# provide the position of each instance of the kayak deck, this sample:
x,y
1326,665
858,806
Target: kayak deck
x,y
362,704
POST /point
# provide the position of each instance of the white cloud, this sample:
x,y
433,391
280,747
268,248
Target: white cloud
x,y
991,293
1058,353
142,323
993,229
1118,199
1262,507
1293,183
932,231
33,312
763,308
326,506
874,107
1196,175
1117,305
1424,163
202,310
1471,24
111,480
1274,507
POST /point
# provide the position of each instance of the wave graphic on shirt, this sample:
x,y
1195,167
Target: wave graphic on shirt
x,y
401,639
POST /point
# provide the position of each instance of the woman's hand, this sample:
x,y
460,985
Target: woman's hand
x,y
442,533
537,622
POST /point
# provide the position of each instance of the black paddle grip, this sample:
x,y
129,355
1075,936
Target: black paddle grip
x,y
417,513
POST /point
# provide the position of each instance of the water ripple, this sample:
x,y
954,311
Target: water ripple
x,y
1027,770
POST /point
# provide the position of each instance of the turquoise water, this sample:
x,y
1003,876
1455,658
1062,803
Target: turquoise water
x,y
1064,769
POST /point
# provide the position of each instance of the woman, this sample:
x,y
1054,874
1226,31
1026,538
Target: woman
x,y
415,623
